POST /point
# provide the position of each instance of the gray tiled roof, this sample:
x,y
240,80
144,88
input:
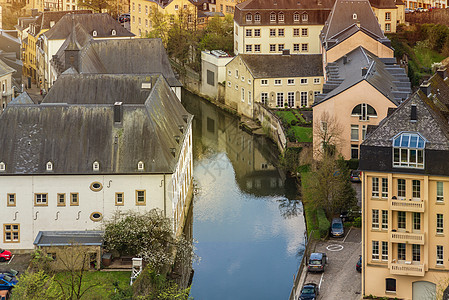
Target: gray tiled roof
x,y
5,69
23,98
277,66
74,131
65,238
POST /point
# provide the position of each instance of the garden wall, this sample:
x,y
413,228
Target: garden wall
x,y
436,16
271,123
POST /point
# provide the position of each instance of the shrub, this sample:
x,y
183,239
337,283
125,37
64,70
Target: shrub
x,y
323,223
357,222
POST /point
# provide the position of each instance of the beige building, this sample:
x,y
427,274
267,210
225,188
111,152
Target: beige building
x,y
389,13
290,81
6,89
265,27
405,191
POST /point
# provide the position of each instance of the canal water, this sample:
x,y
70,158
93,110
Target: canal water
x,y
248,226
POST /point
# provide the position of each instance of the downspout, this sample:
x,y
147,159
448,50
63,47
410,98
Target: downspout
x,y
165,199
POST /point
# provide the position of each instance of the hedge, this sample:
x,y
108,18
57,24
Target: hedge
x,y
323,222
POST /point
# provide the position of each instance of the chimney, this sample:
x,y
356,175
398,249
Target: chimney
x,y
425,88
442,72
413,115
117,112
364,71
286,52
345,59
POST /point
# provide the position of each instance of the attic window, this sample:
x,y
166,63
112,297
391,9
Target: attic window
x,y
305,17
49,166
113,32
296,17
408,150
96,166
354,16
2,166
140,166
94,33
249,18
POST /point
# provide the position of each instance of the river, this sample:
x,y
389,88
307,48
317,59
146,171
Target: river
x,y
248,226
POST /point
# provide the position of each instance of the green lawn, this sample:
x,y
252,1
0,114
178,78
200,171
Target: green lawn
x,y
303,134
103,282
286,116
427,56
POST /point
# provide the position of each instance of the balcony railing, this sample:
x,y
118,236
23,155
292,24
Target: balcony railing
x,y
407,205
406,237
406,269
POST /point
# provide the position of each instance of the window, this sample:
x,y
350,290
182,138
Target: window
x,y
375,250
229,84
74,199
304,81
416,252
354,151
384,250
146,22
61,199
249,32
295,31
315,94
375,217
304,32
237,74
388,16
401,220
290,81
139,8
264,98
257,17
416,189
291,99
243,95
272,17
354,132
296,47
440,223
49,166
280,32
140,197
304,99
387,27
384,187
11,200
375,187
440,260
249,48
304,47
96,186
401,251
146,9
272,32
96,166
390,285
277,82
384,219
257,32
280,100
305,17
363,132
272,47
401,188
364,112
256,48
2,166
119,199
249,18
440,197
316,80
236,87
11,233
280,47
40,199
249,97
296,17
264,82
96,216
416,221
408,151
281,17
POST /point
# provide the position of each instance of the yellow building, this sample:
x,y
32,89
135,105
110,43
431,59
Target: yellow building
x,y
389,14
405,192
248,80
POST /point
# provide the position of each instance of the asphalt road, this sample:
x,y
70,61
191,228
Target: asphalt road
x,y
340,280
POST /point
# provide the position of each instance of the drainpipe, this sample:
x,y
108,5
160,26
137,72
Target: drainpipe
x,y
165,199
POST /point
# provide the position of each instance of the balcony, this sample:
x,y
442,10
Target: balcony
x,y
407,205
406,269
407,238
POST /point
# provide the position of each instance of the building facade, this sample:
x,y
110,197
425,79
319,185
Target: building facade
x,y
6,89
405,184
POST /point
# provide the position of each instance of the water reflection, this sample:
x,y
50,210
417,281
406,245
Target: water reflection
x,y
248,227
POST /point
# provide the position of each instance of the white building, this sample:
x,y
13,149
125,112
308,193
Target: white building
x,y
6,89
96,145
213,66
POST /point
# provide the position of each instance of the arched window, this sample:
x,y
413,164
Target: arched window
x,y
2,166
408,150
364,112
140,166
96,166
113,32
305,17
249,17
94,33
281,17
273,17
354,16
49,166
257,17
296,17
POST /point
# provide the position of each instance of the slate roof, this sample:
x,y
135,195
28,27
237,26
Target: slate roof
x,y
66,238
23,98
348,17
103,24
72,130
5,69
277,66
43,20
385,4
387,77
9,44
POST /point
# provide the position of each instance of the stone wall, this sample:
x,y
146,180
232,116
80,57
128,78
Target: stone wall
x,y
271,123
436,16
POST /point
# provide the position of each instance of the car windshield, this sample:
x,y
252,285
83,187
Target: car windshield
x,y
315,262
7,278
337,225
307,290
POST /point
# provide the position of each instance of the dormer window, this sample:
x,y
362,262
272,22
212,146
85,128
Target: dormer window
x,y
249,18
96,166
2,166
49,166
113,32
354,16
257,17
140,166
94,33
273,17
408,150
296,17
281,17
305,17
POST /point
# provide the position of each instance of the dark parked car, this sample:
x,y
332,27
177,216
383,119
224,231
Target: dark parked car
x,y
10,273
7,282
337,229
356,176
358,265
309,292
4,255
350,215
317,262
124,18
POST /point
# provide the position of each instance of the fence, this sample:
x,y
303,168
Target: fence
x,y
302,265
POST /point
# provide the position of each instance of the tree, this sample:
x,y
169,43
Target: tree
x,y
327,135
95,5
218,35
36,286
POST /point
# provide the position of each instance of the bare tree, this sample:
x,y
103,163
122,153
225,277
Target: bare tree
x,y
327,134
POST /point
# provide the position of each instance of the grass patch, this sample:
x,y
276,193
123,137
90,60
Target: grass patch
x,y
104,288
427,56
302,134
286,116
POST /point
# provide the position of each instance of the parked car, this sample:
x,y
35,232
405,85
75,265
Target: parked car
x,y
355,176
10,273
358,265
124,18
337,229
309,292
7,282
317,262
350,215
409,10
5,255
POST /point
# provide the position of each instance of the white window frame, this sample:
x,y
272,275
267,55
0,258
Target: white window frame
x,y
304,99
316,80
440,224
375,187
440,191
440,255
278,82
354,132
291,99
384,251
290,81
264,98
375,250
243,94
384,219
304,81
264,82
375,219
384,188
279,99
